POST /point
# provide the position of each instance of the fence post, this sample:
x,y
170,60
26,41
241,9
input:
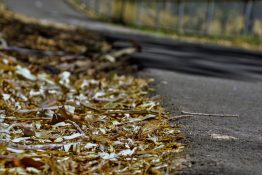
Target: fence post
x,y
210,13
83,2
97,6
122,11
139,13
248,16
158,11
109,9
181,8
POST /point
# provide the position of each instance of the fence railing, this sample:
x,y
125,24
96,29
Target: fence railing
x,y
208,17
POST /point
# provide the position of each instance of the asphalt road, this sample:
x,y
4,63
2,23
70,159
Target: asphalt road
x,y
191,77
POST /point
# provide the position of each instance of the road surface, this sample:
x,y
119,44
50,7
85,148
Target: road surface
x,y
191,77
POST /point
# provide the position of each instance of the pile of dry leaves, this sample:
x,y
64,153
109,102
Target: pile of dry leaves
x,y
66,107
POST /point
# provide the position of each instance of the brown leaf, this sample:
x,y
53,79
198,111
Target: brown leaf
x,y
29,162
63,113
14,161
28,133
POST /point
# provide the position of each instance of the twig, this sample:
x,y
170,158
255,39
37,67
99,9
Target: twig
x,y
120,111
4,131
175,118
91,107
119,53
142,119
37,147
4,141
128,111
210,115
36,52
18,119
38,109
138,120
5,55
126,51
27,129
76,126
34,147
20,125
3,44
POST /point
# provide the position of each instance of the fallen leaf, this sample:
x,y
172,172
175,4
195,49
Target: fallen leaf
x,y
30,162
90,145
67,147
17,140
127,152
24,72
73,136
15,150
110,156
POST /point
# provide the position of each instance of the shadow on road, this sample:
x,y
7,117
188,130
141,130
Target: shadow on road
x,y
192,58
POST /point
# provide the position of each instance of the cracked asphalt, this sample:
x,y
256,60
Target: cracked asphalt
x,y
191,77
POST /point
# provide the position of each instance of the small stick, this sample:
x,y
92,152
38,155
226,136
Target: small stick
x,y
175,118
18,119
91,107
205,114
119,53
38,109
36,147
76,126
21,50
20,125
128,111
138,120
119,111
126,51
3,44
4,131
142,119
27,129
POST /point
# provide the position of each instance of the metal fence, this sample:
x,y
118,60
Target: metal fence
x,y
208,17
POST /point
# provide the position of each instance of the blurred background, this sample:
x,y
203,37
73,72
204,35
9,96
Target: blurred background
x,y
237,20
